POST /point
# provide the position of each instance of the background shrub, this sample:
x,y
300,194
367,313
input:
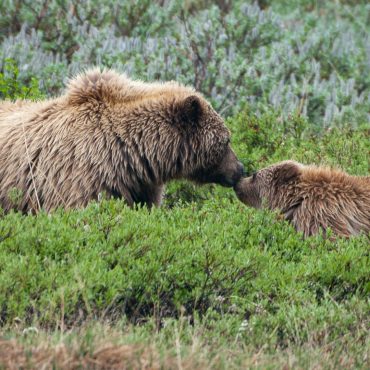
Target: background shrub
x,y
12,88
308,58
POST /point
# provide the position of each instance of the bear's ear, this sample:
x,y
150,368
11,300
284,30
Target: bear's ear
x,y
286,173
188,110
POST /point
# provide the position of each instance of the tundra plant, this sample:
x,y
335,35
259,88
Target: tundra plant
x,y
309,63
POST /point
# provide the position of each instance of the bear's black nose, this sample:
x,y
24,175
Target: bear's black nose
x,y
245,173
240,171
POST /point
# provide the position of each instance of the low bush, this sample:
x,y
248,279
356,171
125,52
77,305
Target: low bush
x,y
112,261
203,253
11,87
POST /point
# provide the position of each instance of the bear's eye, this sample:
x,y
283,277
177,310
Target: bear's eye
x,y
254,176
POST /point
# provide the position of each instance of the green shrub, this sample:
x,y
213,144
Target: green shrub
x,y
112,261
202,252
12,88
261,140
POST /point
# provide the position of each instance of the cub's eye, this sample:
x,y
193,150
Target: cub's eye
x,y
254,176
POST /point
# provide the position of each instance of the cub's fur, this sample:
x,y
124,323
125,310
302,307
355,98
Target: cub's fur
x,y
311,197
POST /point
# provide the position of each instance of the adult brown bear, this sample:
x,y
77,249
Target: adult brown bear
x,y
110,134
311,197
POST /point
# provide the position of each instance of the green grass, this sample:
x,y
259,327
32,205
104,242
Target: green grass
x,y
202,280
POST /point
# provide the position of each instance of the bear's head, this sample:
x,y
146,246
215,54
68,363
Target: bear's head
x,y
205,152
165,130
273,187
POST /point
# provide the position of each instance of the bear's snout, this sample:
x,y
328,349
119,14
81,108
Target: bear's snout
x,y
231,177
227,173
239,173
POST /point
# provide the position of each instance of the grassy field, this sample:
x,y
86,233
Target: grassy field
x,y
202,282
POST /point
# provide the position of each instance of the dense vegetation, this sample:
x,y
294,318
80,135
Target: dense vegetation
x,y
306,56
203,282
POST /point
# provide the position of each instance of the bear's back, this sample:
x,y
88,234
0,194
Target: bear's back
x,y
111,87
14,114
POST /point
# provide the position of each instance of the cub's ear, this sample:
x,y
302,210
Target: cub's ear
x,y
286,173
188,110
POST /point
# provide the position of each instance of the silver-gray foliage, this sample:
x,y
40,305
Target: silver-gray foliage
x,y
320,69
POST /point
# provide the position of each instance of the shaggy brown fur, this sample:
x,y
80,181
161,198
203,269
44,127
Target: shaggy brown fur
x,y
311,197
113,135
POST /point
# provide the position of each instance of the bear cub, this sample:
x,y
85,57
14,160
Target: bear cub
x,y
311,197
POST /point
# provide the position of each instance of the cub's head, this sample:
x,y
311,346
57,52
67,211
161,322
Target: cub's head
x,y
272,186
206,155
